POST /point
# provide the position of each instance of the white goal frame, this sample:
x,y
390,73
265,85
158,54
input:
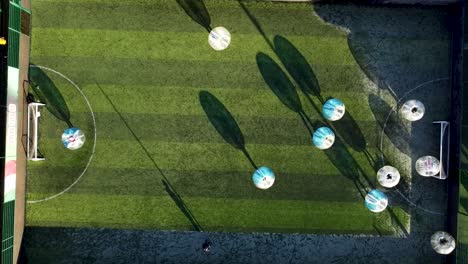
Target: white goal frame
x,y
33,123
444,149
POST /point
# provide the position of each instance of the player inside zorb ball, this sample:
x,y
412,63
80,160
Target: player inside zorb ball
x,y
266,182
376,201
427,166
333,109
323,138
263,178
219,38
73,138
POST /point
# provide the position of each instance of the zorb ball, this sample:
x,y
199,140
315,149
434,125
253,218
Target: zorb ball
x,y
443,243
427,166
323,138
376,201
412,110
388,176
263,178
73,138
219,38
333,109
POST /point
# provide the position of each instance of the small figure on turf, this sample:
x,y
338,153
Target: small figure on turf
x,y
206,246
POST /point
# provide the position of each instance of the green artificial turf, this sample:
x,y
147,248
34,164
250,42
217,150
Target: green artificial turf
x,y
142,65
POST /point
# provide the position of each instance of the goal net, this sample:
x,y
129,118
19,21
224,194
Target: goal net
x,y
33,126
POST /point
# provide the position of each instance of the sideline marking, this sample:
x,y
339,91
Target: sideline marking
x,y
95,136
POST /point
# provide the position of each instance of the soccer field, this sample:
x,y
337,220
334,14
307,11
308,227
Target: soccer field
x,y
157,161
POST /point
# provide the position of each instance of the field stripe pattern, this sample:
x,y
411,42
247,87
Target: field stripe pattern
x,y
151,60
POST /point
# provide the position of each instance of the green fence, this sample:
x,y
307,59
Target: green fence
x,y
14,27
8,232
14,19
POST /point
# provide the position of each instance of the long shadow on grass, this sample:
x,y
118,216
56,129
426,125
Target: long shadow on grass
x,y
224,123
170,189
281,86
349,131
256,24
392,126
292,59
341,158
298,67
302,73
181,204
197,11
47,92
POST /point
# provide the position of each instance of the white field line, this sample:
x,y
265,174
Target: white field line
x,y
394,109
94,144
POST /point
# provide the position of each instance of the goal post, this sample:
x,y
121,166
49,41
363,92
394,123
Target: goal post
x,y
33,125
444,149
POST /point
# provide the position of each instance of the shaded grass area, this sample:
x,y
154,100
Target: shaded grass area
x,y
77,245
386,62
149,109
224,123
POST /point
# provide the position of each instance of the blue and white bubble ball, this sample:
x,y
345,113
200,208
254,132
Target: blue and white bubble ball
x,y
376,201
73,138
323,138
263,178
333,109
